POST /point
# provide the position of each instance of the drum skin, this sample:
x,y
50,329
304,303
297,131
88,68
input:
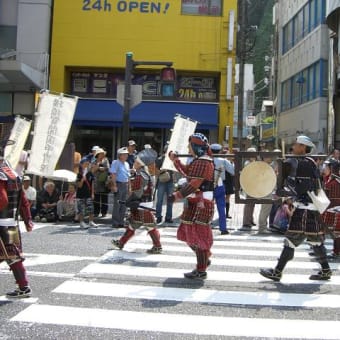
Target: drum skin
x,y
258,179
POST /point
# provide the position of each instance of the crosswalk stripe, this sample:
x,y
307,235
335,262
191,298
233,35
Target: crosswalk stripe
x,y
116,255
180,323
42,274
226,242
198,295
233,237
215,250
137,271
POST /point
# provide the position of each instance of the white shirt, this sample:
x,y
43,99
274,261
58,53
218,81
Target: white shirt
x,y
31,193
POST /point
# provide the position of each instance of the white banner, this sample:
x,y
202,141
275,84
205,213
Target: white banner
x,y
19,134
179,141
52,125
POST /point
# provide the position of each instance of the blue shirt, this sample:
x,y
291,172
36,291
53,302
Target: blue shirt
x,y
121,170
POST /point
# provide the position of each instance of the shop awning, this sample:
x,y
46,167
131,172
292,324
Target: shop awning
x,y
158,114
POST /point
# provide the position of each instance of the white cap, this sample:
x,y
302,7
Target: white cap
x,y
94,148
122,151
216,147
304,140
131,142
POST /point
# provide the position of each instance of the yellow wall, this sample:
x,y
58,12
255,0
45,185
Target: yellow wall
x,y
86,36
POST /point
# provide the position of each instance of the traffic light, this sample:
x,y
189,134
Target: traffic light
x,y
168,82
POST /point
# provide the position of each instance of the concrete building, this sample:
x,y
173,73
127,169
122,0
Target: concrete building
x,y
90,40
333,22
24,54
302,77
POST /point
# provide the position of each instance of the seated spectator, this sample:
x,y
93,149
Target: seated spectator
x,y
31,194
47,207
66,206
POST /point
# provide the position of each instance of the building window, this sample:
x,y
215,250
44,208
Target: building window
x,y
298,27
202,7
287,37
309,84
8,36
307,19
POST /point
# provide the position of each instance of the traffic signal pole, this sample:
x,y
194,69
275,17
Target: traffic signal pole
x,y
127,98
129,66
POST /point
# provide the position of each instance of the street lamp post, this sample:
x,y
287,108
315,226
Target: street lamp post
x,y
129,66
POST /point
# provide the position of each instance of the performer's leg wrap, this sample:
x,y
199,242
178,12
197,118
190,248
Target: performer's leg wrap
x,y
155,237
336,246
202,259
321,256
19,273
286,255
127,235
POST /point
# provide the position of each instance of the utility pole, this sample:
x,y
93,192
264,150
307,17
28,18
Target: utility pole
x,y
241,54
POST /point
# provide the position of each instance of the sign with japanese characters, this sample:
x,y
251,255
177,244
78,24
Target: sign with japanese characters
x,y
52,125
19,135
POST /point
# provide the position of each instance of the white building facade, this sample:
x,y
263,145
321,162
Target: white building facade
x,y
302,76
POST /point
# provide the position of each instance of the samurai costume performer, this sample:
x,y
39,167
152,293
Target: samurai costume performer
x,y
331,217
302,175
13,199
195,225
140,203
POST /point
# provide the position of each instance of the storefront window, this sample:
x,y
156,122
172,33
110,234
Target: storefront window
x,y
202,7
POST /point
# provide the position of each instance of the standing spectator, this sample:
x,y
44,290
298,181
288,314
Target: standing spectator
x,y
85,194
302,175
11,196
76,161
48,198
66,206
198,212
248,210
31,194
131,147
221,166
265,208
141,196
120,174
151,166
164,187
229,185
335,155
92,154
100,169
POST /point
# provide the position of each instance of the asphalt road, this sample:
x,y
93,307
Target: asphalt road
x,y
82,289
